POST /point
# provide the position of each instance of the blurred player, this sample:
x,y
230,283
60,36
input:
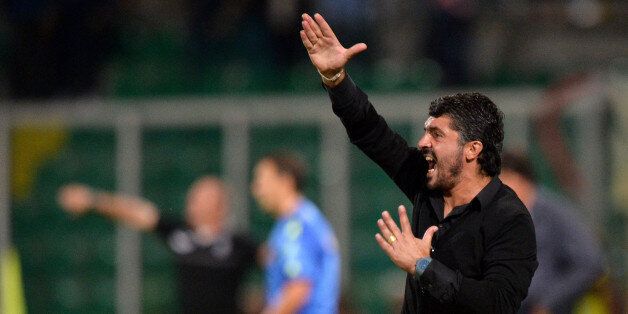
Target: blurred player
x,y
570,260
303,263
211,261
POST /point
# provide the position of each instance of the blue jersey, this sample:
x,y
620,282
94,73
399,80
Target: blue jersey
x,y
302,246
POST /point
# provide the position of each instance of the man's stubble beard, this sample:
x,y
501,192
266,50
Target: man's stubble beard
x,y
446,180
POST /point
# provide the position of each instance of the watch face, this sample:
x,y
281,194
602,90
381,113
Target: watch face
x,y
423,264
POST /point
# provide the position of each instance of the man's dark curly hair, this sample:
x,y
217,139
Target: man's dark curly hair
x,y
476,118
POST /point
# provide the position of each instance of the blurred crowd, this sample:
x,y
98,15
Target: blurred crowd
x,y
73,48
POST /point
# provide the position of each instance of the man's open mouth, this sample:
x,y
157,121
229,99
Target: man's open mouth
x,y
431,163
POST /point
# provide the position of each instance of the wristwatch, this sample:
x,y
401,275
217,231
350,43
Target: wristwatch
x,y
421,265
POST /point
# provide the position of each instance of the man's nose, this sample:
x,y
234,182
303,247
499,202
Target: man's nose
x,y
423,142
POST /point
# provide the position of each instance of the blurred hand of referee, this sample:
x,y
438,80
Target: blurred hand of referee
x,y
76,198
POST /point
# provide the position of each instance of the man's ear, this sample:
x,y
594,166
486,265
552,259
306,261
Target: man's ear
x,y
472,150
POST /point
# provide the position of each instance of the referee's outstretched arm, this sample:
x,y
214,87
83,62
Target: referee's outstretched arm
x,y
134,212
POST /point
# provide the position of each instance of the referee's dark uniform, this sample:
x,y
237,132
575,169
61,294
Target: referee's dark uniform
x,y
209,275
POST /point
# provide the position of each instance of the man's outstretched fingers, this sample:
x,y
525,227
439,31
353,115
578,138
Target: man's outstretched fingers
x,y
355,49
314,24
390,223
307,27
404,222
306,41
385,232
325,28
388,249
429,234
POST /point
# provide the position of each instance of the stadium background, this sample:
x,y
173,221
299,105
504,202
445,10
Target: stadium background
x,y
110,74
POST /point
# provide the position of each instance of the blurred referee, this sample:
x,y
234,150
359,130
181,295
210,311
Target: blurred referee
x,y
211,261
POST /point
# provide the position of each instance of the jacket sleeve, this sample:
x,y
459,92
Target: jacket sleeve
x,y
372,135
508,266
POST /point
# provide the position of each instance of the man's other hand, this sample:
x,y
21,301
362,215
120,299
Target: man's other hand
x,y
401,245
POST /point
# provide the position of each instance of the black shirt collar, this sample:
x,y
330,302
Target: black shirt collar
x,y
485,197
482,200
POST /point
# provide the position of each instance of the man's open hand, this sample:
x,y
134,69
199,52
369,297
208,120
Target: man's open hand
x,y
401,245
324,49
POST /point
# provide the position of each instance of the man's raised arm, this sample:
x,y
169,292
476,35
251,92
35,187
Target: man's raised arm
x,y
365,127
